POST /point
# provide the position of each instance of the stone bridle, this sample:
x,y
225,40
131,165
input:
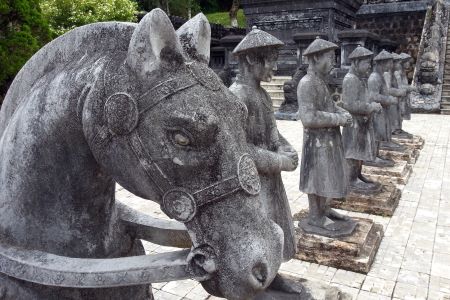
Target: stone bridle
x,y
177,203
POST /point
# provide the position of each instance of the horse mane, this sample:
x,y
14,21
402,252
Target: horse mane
x,y
86,40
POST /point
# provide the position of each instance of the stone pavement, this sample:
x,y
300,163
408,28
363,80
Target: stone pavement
x,y
413,261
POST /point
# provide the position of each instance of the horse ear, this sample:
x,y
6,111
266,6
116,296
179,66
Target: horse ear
x,y
195,37
154,42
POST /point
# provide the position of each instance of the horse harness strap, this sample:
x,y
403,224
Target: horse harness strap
x,y
177,203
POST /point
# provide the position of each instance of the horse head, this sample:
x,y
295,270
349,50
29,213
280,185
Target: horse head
x,y
162,124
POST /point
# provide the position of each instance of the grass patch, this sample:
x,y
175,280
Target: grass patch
x,y
223,18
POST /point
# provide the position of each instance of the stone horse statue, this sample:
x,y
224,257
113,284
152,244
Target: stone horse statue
x,y
134,104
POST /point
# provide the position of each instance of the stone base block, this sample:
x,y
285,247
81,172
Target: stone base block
x,y
416,141
312,290
410,155
382,204
398,174
354,253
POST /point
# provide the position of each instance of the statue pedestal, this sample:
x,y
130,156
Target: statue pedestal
x,y
398,174
354,253
410,155
383,203
415,141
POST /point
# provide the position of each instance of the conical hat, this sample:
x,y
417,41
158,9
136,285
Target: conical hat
x,y
395,56
319,45
383,55
405,56
360,52
257,39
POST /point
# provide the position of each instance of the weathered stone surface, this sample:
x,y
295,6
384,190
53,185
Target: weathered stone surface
x,y
257,55
417,142
383,203
322,173
354,253
134,104
285,18
410,155
398,174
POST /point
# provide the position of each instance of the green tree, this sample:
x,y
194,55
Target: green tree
x,y
23,30
179,8
64,15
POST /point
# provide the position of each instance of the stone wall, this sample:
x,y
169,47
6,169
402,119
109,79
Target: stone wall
x,y
404,28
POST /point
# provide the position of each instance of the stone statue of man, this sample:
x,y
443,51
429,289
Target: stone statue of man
x,y
359,139
405,102
322,173
257,54
394,90
379,93
393,112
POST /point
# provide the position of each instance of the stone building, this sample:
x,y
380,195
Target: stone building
x,y
394,25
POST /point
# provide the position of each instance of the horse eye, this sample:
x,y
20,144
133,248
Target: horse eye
x,y
181,139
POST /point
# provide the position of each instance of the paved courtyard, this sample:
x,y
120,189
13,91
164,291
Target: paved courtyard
x,y
413,261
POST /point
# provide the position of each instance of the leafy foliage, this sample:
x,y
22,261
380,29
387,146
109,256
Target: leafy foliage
x,y
223,18
64,15
174,7
23,30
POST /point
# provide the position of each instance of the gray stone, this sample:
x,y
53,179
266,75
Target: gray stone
x,y
257,54
359,138
355,252
379,93
322,173
129,103
383,203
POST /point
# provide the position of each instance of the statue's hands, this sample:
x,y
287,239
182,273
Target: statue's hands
x,y
286,148
376,107
288,160
392,100
346,119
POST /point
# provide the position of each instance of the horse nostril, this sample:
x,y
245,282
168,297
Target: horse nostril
x,y
260,273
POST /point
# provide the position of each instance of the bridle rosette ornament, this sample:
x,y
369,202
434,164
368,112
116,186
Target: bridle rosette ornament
x,y
248,175
179,205
183,206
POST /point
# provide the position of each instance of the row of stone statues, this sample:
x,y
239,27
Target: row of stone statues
x,y
136,104
374,106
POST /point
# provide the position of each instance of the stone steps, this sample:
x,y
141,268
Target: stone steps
x,y
275,89
445,97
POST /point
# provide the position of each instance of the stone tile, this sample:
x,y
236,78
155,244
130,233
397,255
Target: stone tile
x,y
383,271
348,278
161,295
414,278
378,286
180,288
364,295
353,292
408,291
417,259
198,293
441,265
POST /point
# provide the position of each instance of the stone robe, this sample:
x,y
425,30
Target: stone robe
x,y
405,103
394,113
322,169
358,139
264,139
379,92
